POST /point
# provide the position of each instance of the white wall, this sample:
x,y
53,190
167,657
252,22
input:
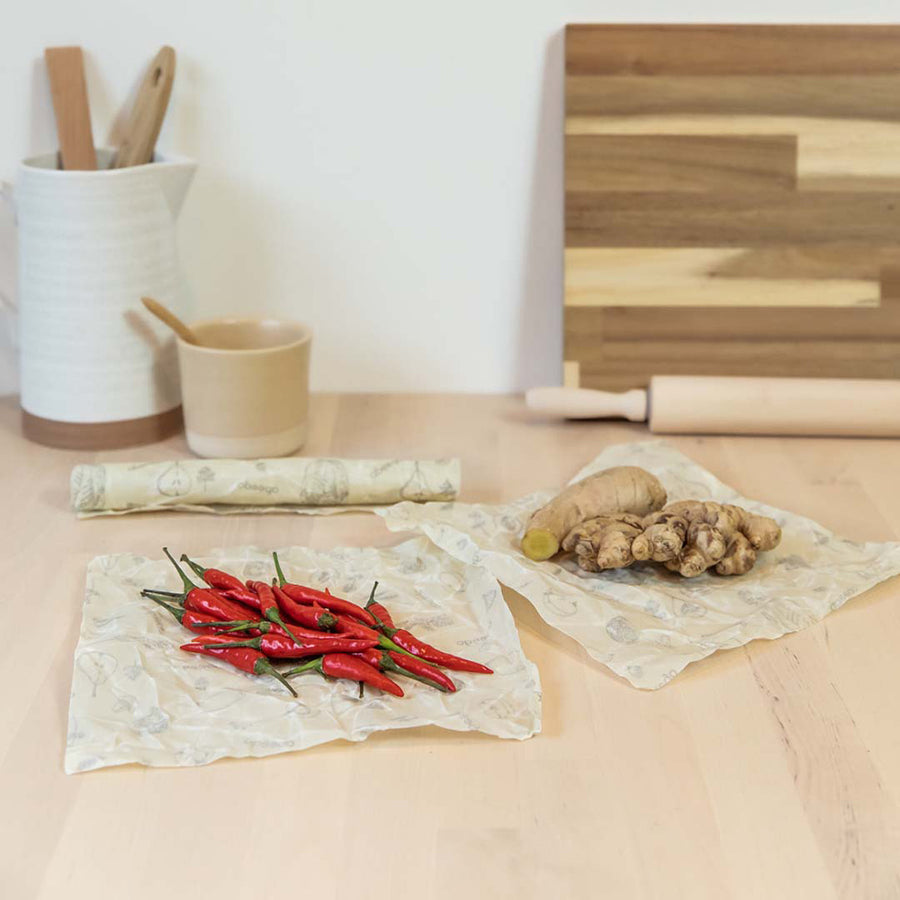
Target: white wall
x,y
388,171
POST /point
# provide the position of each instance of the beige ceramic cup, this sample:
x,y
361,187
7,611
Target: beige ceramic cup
x,y
245,389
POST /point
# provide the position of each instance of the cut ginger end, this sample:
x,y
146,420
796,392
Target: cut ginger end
x,y
539,544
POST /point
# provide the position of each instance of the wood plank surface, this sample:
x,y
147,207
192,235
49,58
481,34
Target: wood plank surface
x,y
715,50
769,771
866,97
587,327
825,147
680,162
695,276
730,219
620,365
671,204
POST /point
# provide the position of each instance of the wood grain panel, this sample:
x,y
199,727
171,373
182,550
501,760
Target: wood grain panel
x,y
813,261
690,247
730,219
604,276
587,327
825,147
680,162
626,364
732,49
873,97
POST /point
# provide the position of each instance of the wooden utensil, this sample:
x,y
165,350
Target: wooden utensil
x,y
65,68
165,315
681,404
148,112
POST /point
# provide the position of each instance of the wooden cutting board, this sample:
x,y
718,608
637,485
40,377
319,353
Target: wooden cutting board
x,y
732,202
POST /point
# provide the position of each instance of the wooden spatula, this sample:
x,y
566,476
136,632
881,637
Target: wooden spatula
x,y
148,112
65,66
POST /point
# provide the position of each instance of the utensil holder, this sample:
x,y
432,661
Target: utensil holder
x,y
97,371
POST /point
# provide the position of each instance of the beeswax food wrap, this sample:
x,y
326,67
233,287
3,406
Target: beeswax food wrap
x,y
647,624
137,698
291,484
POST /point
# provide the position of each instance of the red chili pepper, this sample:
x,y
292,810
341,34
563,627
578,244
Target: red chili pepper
x,y
215,578
230,586
404,640
267,605
199,622
418,668
244,658
379,611
207,601
349,625
308,596
243,595
411,644
390,661
310,616
280,646
340,665
352,628
265,627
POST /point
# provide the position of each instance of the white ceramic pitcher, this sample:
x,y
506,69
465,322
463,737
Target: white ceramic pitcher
x,y
96,369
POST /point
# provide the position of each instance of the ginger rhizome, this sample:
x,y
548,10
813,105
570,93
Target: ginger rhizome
x,y
612,492
618,516
688,537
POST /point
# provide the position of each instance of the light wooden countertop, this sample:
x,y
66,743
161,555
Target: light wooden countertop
x,y
768,771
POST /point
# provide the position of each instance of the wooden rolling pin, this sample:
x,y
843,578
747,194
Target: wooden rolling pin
x,y
688,404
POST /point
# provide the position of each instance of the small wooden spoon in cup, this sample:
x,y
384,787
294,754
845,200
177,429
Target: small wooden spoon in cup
x,y
165,315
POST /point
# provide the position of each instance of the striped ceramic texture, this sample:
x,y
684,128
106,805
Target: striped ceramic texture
x,y
90,245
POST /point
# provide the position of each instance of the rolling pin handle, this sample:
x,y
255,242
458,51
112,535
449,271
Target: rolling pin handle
x,y
581,403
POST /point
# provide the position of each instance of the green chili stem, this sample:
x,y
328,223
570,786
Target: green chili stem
x,y
281,580
269,669
197,568
176,611
306,667
153,594
274,616
235,625
188,584
250,642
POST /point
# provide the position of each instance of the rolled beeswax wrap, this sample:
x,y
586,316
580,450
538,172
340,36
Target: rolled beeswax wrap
x,y
137,698
643,622
213,485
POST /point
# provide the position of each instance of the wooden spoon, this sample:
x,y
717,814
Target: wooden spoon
x,y
165,315
148,112
65,69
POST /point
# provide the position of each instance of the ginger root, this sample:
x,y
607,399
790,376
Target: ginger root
x,y
612,492
688,537
604,542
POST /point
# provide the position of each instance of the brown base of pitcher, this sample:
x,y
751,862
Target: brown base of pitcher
x,y
102,435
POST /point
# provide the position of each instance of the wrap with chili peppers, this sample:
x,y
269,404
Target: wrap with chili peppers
x,y
136,697
291,484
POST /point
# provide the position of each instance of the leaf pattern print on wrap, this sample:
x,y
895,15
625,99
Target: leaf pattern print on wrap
x,y
88,487
205,477
96,666
416,486
324,481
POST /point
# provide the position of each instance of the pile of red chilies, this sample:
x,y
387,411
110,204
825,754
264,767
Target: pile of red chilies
x,y
253,625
